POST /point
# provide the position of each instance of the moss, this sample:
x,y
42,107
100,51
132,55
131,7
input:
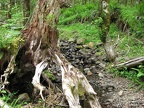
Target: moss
x,y
49,74
81,90
13,47
51,20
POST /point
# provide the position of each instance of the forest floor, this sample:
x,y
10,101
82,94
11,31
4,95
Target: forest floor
x,y
113,91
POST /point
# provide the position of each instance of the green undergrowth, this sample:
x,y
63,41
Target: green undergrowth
x,y
11,100
78,13
136,75
133,16
129,47
10,31
80,30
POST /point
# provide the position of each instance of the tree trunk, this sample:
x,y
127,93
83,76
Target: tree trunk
x,y
26,10
40,49
10,8
105,38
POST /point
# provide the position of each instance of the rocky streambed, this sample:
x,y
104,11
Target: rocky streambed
x,y
113,92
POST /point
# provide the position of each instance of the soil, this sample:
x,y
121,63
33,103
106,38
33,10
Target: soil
x,y
112,91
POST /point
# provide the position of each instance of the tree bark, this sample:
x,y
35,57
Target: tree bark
x,y
41,49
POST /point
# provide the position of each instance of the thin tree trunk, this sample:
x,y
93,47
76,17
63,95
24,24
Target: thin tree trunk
x,y
10,8
26,10
104,36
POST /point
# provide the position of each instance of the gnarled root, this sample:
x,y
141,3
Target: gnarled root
x,y
8,71
36,79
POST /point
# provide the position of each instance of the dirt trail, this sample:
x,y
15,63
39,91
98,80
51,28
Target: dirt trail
x,y
113,92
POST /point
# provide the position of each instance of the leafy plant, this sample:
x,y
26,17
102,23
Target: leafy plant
x,y
134,74
78,13
10,31
49,74
7,97
140,71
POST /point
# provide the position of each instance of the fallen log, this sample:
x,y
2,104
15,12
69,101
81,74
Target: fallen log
x,y
131,63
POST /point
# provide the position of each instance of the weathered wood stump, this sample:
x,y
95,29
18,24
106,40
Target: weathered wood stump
x,y
41,48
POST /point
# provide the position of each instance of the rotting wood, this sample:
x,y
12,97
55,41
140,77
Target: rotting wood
x,y
41,48
131,63
72,78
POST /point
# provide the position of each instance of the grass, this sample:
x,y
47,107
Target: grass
x,y
89,32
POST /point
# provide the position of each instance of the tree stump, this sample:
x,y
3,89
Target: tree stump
x,y
41,48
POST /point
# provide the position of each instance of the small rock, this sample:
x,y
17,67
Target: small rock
x,y
85,46
110,88
98,53
80,41
71,40
91,45
79,47
100,75
23,97
108,101
120,93
102,65
93,69
87,71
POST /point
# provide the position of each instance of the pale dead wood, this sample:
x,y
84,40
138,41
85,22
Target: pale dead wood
x,y
7,72
74,82
3,104
131,63
36,79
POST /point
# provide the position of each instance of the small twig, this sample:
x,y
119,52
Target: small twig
x,y
139,41
117,41
128,49
61,105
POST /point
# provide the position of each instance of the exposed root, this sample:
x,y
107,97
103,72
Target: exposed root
x,y
73,81
36,79
8,71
